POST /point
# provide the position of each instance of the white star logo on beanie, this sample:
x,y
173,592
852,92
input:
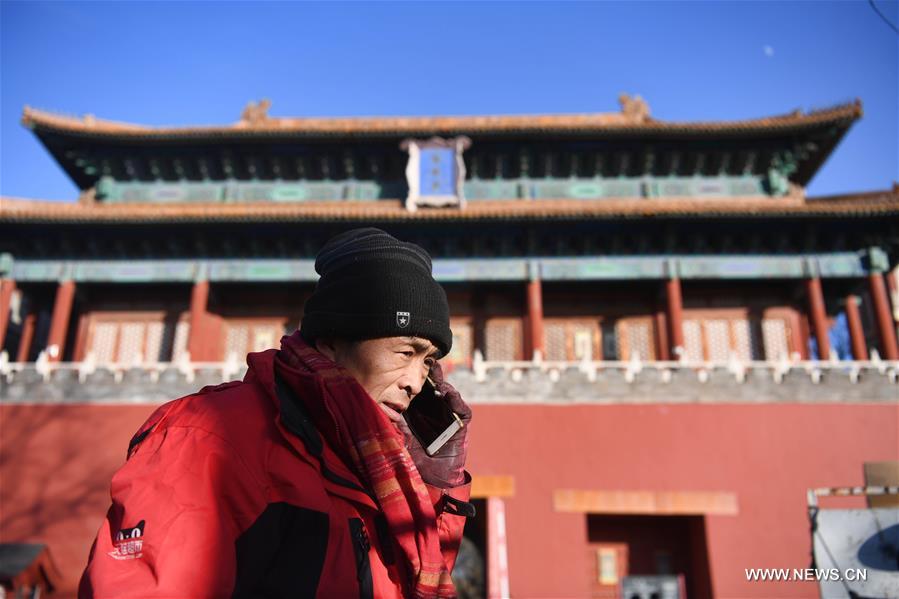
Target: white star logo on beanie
x,y
402,319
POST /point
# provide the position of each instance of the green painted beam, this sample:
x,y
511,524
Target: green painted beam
x,y
112,192
115,192
595,268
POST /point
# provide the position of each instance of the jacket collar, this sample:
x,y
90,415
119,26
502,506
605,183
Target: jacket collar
x,y
297,428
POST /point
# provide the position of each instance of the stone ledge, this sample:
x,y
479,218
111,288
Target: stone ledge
x,y
493,382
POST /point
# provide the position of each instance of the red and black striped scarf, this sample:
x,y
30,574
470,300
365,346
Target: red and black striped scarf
x,y
358,431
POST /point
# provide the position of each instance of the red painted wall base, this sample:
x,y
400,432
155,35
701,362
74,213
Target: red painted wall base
x,y
58,460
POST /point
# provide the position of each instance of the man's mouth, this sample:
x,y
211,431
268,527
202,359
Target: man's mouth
x,y
393,411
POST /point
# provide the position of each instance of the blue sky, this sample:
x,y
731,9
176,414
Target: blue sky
x,y
185,63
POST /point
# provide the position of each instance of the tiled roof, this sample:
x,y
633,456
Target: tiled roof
x,y
880,203
382,126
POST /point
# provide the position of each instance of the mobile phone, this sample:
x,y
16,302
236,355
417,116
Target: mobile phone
x,y
430,419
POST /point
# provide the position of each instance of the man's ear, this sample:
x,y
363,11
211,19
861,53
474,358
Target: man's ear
x,y
327,347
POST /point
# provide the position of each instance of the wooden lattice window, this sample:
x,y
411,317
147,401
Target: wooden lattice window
x,y
636,338
717,336
237,339
503,339
717,339
251,335
462,343
554,337
775,336
132,342
571,339
266,337
746,344
134,338
693,350
104,342
585,341
180,339
155,335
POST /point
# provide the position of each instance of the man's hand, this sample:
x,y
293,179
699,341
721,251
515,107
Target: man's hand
x,y
446,468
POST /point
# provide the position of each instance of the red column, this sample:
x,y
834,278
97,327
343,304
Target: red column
x,y
28,324
818,316
856,332
675,317
196,343
7,286
535,316
885,325
59,323
662,343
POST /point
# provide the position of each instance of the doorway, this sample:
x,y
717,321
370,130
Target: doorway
x,y
626,545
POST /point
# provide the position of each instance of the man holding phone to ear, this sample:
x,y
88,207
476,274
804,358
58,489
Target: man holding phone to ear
x,y
305,479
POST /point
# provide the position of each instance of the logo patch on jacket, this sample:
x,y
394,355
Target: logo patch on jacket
x,y
402,319
129,543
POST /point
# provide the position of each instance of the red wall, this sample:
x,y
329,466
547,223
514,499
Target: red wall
x,y
767,454
55,466
56,462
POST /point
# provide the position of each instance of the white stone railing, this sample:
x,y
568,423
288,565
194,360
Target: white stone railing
x,y
738,368
45,367
481,369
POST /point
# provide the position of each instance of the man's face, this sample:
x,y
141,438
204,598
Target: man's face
x,y
391,369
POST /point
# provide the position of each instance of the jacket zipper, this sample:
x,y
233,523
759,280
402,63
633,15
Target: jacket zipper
x,y
310,437
361,547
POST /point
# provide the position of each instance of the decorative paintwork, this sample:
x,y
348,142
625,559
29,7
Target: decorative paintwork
x,y
498,269
748,267
262,270
602,269
6,263
831,265
627,187
115,192
135,271
495,189
473,189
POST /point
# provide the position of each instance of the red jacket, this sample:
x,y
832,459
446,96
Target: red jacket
x,y
228,493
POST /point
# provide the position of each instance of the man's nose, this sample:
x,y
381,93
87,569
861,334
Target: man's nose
x,y
413,382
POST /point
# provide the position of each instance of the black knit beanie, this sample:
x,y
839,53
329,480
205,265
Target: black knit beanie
x,y
374,285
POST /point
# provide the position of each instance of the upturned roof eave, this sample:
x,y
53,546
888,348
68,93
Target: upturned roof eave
x,y
577,125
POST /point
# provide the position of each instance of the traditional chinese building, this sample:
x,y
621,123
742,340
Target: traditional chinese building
x,y
652,318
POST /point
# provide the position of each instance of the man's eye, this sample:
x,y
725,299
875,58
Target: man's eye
x,y
430,362
408,354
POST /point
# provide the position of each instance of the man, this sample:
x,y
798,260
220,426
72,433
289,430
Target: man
x,y
302,480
